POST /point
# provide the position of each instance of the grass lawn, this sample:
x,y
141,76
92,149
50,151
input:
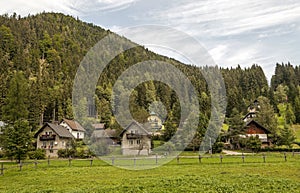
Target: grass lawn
x,y
187,176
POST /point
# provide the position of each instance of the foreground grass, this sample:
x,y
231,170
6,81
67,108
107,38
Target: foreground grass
x,y
173,177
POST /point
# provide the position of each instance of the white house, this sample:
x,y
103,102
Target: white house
x,y
52,137
74,128
136,140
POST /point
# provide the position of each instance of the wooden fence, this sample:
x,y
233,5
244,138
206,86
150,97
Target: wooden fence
x,y
152,160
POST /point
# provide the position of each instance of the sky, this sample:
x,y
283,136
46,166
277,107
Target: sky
x,y
233,32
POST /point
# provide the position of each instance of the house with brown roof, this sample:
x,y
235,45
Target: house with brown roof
x,y
52,138
253,128
74,128
135,140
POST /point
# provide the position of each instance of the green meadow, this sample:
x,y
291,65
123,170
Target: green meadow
x,y
187,175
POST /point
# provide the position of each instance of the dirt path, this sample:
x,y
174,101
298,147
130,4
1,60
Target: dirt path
x,y
232,152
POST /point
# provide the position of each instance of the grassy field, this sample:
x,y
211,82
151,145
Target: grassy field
x,y
187,176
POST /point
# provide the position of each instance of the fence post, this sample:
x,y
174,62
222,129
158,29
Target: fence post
x,y
293,153
91,162
2,169
177,159
221,158
285,159
48,160
156,159
243,157
112,160
20,165
200,159
264,158
70,161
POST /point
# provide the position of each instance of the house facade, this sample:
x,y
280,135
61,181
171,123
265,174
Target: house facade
x,y
74,128
254,129
108,136
135,140
2,124
154,121
52,137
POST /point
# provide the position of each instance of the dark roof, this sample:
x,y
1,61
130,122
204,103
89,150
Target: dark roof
x,y
108,133
248,114
139,126
99,126
74,125
58,129
258,125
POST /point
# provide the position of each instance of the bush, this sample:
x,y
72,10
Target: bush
x,y
100,148
37,154
66,153
1,154
83,154
280,149
218,147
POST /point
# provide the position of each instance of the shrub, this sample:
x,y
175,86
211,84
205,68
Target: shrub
x,y
1,154
66,153
37,154
218,147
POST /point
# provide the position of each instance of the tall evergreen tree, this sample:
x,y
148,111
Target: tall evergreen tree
x,y
266,115
16,104
16,139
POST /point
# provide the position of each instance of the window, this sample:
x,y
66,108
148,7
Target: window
x,y
138,141
63,143
77,135
50,133
51,144
131,142
136,131
44,144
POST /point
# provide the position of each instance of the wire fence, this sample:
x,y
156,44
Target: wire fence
x,y
6,166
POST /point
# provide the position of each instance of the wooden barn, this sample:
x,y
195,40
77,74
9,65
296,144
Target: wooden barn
x,y
253,128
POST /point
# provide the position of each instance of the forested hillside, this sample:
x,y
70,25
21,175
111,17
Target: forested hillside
x,y
44,51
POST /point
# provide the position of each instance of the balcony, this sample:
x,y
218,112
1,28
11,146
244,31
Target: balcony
x,y
47,137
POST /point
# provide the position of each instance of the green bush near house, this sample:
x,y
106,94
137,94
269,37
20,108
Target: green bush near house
x,y
37,154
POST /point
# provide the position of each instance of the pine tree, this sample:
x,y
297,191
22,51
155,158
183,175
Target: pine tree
x,y
266,115
16,104
287,136
16,139
290,117
297,109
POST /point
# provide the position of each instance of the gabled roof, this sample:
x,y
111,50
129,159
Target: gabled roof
x,y
58,129
139,126
258,125
99,126
74,125
250,113
108,133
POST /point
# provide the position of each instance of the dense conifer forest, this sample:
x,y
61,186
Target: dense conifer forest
x,y
40,54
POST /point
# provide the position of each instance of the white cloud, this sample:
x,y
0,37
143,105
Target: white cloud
x,y
32,6
219,52
73,7
226,17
